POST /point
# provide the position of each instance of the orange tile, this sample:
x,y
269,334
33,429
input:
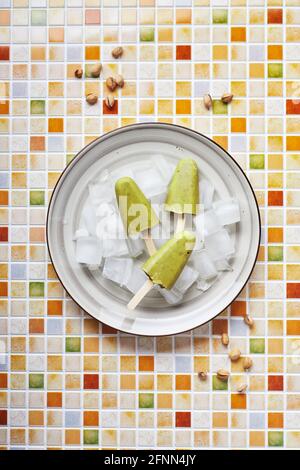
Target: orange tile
x,y
275,198
220,52
3,198
3,289
275,420
275,234
183,53
183,107
293,106
37,143
38,53
183,16
183,382
4,107
257,70
220,420
3,380
36,325
238,125
91,418
238,308
55,125
54,307
275,52
222,140
37,234
36,418
219,326
4,17
292,142
92,52
275,383
164,401
113,110
4,52
72,436
274,15
146,363
183,419
238,34
54,399
257,439
238,401
56,35
293,327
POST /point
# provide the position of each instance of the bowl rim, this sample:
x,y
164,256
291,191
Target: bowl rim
x,y
152,124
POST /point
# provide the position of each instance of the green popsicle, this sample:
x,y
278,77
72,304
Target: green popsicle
x,y
166,264
135,209
183,189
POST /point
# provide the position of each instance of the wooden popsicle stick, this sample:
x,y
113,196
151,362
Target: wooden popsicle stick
x,y
180,223
150,245
138,297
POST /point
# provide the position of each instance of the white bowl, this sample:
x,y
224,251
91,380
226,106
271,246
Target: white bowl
x,y
105,300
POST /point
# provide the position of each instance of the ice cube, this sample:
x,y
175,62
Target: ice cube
x,y
137,279
136,246
172,296
223,265
88,217
149,179
204,265
219,245
165,167
204,285
227,211
114,247
119,173
111,227
88,250
186,279
104,210
211,223
93,267
81,232
101,192
206,193
199,229
118,270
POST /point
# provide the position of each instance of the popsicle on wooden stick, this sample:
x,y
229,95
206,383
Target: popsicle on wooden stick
x,y
136,211
183,191
165,265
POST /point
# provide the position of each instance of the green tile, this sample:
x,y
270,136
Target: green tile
x,y
90,436
275,70
275,253
220,16
257,161
275,438
146,34
36,289
38,17
219,384
73,344
37,107
219,107
146,400
36,380
37,198
257,345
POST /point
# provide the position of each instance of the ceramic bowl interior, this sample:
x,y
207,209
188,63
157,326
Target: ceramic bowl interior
x,y
105,300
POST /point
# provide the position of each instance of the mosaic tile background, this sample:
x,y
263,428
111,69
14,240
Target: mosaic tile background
x,y
65,380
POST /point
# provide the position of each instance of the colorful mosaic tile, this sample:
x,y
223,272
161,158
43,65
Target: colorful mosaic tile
x,y
68,382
